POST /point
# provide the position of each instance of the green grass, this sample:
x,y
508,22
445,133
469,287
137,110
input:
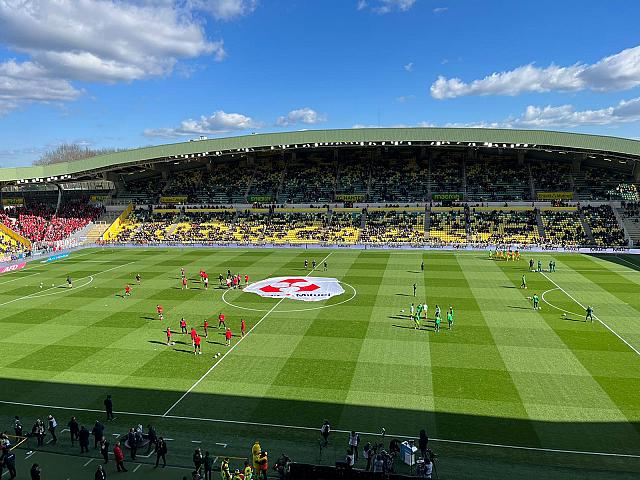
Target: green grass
x,y
505,374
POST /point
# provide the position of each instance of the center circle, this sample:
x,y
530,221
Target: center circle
x,y
292,310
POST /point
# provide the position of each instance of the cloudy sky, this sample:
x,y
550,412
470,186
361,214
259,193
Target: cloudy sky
x,y
108,73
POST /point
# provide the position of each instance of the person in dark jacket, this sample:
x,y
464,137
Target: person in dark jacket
x,y
104,450
35,472
74,429
161,452
10,462
98,432
197,459
153,438
423,443
133,443
108,407
83,439
100,474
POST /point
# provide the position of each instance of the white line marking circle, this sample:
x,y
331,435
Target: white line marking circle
x,y
557,308
355,292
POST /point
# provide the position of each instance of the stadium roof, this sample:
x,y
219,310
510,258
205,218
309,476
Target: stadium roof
x,y
474,137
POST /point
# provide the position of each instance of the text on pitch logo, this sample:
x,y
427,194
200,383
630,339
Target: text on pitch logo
x,y
297,288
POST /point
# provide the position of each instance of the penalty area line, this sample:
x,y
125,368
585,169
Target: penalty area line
x,y
315,429
213,367
595,316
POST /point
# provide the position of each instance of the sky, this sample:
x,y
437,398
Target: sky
x,y
125,74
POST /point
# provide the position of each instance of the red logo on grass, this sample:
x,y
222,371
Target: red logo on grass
x,y
297,288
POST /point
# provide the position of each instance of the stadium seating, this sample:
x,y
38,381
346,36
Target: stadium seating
x,y
225,184
447,174
604,225
402,180
393,226
308,181
39,223
497,227
563,227
494,178
556,179
447,226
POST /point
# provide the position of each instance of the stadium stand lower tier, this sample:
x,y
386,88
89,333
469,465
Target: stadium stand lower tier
x,y
556,226
40,223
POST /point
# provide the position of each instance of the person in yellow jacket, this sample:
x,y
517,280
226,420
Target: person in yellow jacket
x,y
225,472
255,455
248,471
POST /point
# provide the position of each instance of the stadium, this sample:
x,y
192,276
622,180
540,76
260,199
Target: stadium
x,y
334,261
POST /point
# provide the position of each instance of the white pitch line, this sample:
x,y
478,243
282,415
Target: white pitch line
x,y
88,462
136,469
595,316
553,306
315,429
213,367
221,359
40,294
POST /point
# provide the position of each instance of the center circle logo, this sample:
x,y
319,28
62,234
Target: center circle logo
x,y
306,289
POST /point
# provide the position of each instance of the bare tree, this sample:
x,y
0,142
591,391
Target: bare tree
x,y
70,152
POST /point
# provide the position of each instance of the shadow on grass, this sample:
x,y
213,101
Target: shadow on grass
x,y
402,295
519,308
242,419
625,260
568,319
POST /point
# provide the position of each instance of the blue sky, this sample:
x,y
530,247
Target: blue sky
x,y
128,74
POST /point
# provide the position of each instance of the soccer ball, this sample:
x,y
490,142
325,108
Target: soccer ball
x,y
402,311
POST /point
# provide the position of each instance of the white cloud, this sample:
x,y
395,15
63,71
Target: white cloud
x,y
408,67
625,111
616,72
103,41
226,9
438,10
219,122
305,115
27,82
386,6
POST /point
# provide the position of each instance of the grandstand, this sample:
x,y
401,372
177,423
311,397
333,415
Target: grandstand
x,y
406,186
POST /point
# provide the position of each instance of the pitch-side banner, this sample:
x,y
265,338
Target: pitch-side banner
x,y
307,289
13,268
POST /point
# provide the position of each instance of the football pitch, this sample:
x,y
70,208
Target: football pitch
x,y
507,389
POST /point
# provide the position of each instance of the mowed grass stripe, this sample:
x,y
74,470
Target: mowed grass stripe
x,y
393,362
245,376
475,388
586,414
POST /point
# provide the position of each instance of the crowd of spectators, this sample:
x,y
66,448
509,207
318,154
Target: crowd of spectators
x,y
312,181
556,179
353,178
448,226
604,226
392,226
399,180
563,228
447,174
40,223
494,178
496,227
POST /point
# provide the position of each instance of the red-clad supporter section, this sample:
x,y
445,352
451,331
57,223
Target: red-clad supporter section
x,y
39,223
